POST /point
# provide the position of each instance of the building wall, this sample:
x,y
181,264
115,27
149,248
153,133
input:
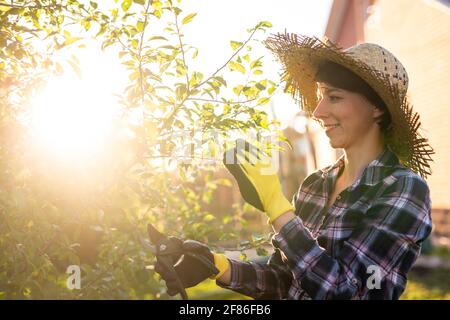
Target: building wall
x,y
417,33
347,35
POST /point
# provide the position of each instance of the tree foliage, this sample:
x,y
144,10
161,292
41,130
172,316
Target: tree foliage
x,y
96,215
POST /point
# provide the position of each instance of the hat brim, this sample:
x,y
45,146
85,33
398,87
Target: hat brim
x,y
301,56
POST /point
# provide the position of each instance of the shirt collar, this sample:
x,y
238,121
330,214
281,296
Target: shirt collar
x,y
375,171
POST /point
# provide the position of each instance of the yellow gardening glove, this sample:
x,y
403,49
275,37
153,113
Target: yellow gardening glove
x,y
221,263
257,180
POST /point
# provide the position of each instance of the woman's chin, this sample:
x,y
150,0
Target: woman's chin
x,y
336,144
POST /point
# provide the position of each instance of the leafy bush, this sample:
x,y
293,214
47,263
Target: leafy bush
x,y
94,213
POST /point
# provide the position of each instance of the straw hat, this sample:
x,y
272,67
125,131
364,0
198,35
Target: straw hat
x,y
301,56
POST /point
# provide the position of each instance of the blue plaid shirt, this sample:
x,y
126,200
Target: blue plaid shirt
x,y
361,247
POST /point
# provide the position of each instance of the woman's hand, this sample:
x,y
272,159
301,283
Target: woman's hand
x,y
257,179
197,263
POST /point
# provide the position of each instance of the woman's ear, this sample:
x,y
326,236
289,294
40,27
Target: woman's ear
x,y
377,112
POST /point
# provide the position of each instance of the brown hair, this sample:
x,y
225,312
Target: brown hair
x,y
341,77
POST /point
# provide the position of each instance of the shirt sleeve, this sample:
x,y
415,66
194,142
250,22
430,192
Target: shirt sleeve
x,y
388,238
259,280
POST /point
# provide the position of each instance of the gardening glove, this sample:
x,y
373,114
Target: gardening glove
x,y
196,264
257,179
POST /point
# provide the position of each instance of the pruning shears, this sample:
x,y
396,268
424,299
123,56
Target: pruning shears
x,y
168,251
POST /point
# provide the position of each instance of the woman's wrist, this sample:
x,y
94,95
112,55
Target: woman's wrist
x,y
281,220
221,263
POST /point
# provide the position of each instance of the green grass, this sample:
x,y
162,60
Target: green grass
x,y
440,251
208,290
428,285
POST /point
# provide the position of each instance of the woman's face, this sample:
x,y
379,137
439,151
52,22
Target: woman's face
x,y
349,118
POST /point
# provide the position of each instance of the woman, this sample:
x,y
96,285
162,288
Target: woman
x,y
356,227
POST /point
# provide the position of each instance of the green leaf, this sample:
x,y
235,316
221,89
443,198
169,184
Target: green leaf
x,y
238,89
195,79
236,66
70,40
221,80
180,91
140,26
265,24
114,13
157,38
177,11
195,54
188,18
260,251
260,87
142,2
126,4
256,63
209,218
263,101
235,44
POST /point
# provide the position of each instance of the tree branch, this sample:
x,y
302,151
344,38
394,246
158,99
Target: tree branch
x,y
218,101
141,82
228,61
176,108
182,53
37,6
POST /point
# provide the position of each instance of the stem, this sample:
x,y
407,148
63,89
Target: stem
x,y
182,53
176,108
37,6
218,101
228,61
105,272
141,82
141,75
240,248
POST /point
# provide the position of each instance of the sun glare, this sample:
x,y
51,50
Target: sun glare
x,y
74,115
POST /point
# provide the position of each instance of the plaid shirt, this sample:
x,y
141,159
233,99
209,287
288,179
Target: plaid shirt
x,y
361,247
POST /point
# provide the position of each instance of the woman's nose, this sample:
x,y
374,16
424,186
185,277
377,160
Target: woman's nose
x,y
320,111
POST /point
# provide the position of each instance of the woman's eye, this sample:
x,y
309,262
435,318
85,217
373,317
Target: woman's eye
x,y
334,98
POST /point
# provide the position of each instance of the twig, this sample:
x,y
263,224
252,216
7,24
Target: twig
x,y
228,61
102,274
37,6
182,54
218,101
141,82
141,75
176,108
